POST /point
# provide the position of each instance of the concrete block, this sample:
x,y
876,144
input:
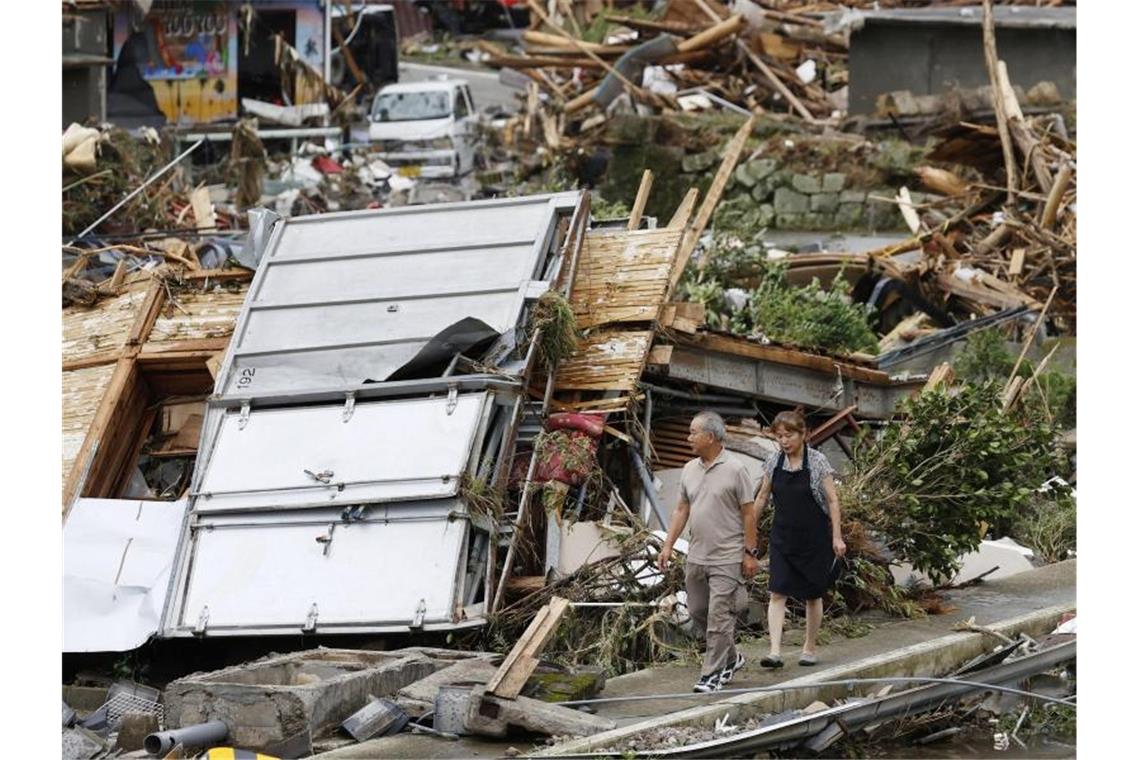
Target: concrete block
x,y
825,202
271,700
833,182
852,196
85,699
134,728
806,183
490,716
790,202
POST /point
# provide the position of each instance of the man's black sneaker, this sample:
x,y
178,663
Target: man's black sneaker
x,y
730,670
708,683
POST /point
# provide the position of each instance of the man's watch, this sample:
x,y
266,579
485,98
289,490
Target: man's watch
x,y
753,552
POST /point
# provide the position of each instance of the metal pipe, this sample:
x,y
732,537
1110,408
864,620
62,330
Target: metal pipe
x,y
650,489
198,735
139,189
266,133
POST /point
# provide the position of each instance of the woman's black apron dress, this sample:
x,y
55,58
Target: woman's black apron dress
x,y
801,561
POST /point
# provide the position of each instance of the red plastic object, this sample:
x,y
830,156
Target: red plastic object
x,y
590,424
326,165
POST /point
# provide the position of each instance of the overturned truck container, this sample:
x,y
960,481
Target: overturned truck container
x,y
378,364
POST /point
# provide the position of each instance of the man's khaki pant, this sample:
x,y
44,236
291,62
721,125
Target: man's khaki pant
x,y
716,595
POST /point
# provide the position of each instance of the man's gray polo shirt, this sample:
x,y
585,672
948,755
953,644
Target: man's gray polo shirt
x,y
714,494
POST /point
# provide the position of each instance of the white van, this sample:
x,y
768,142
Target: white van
x,y
425,129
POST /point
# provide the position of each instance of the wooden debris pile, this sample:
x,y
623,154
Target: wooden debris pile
x,y
1009,239
694,55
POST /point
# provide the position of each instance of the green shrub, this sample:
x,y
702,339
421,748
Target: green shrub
x,y
928,484
1049,525
808,317
985,357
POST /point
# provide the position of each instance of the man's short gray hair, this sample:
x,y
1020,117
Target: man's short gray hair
x,y
711,422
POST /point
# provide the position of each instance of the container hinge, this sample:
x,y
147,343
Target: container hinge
x,y
203,619
243,420
418,618
349,406
311,620
452,398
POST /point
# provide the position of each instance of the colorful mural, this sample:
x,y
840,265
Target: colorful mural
x,y
189,52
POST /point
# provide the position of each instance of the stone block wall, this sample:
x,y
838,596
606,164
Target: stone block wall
x,y
786,200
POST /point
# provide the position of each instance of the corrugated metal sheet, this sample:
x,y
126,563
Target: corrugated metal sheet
x,y
343,298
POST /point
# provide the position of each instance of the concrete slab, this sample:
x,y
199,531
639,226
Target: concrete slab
x,y
418,699
281,696
1032,602
488,715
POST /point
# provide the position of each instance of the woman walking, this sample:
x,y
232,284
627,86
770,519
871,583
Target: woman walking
x,y
806,541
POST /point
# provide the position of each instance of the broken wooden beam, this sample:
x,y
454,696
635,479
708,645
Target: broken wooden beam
x,y
641,199
523,657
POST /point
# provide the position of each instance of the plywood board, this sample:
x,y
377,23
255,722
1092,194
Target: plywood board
x,y
196,316
623,276
99,333
83,389
606,360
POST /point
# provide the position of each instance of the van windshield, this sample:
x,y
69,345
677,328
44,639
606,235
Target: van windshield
x,y
411,106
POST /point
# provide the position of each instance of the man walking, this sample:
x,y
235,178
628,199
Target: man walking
x,y
716,491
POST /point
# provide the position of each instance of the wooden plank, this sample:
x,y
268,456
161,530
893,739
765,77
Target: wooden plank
x,y
1017,262
98,334
640,200
660,355
622,277
748,349
520,663
693,231
203,209
147,314
605,360
942,375
684,210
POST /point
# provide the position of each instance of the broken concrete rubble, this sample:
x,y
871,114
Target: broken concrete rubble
x,y
488,715
271,700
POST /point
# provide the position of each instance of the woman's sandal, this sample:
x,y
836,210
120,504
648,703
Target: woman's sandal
x,y
771,662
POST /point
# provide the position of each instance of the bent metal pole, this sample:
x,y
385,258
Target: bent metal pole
x,y
140,188
198,735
